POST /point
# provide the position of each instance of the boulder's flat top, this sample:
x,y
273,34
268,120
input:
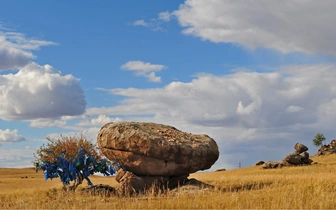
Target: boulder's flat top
x,y
171,134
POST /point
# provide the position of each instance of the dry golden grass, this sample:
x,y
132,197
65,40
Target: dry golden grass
x,y
306,187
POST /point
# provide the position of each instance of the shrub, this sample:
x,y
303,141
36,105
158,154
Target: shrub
x,y
319,139
69,143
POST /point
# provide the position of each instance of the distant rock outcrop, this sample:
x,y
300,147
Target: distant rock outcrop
x,y
299,157
327,149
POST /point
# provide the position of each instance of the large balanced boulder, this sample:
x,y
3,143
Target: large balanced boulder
x,y
156,149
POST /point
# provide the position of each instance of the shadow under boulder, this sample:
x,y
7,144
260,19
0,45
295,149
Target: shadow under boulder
x,y
130,184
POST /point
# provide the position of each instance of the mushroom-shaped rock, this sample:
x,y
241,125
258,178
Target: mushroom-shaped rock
x,y
157,149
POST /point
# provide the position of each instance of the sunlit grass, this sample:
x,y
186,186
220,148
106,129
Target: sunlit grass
x,y
306,187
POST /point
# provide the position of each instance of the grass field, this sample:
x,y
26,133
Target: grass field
x,y
305,187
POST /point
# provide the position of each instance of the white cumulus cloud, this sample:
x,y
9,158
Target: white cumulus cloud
x,y
40,92
42,123
141,23
15,49
99,121
165,16
144,69
10,136
286,26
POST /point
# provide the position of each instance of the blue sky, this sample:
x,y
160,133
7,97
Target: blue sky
x,y
256,76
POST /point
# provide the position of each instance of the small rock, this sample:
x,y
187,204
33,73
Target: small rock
x,y
300,148
102,190
270,164
260,162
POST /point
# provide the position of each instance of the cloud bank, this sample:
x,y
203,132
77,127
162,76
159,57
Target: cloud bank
x,y
244,99
286,26
243,109
17,157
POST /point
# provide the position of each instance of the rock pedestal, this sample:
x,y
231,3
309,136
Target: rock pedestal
x,y
129,183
